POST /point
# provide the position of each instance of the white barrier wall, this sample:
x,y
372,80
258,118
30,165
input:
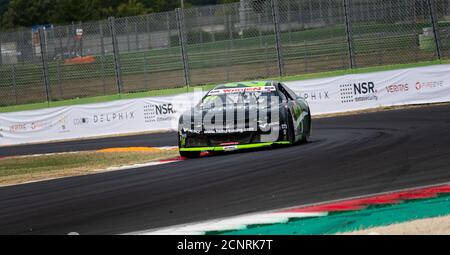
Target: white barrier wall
x,y
329,95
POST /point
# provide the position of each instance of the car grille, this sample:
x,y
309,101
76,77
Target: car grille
x,y
241,138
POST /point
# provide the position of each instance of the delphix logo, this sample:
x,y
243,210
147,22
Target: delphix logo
x,y
115,116
358,92
104,118
315,95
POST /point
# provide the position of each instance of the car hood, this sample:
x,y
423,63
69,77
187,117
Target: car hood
x,y
242,111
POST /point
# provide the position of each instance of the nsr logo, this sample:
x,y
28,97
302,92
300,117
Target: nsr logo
x,y
164,109
363,88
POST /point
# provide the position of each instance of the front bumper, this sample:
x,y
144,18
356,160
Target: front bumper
x,y
234,147
228,141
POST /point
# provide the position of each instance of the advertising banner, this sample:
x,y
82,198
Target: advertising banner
x,y
328,95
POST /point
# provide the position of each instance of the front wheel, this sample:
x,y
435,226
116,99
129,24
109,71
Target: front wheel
x,y
187,154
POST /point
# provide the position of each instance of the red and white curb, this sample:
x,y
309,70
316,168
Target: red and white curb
x,y
306,211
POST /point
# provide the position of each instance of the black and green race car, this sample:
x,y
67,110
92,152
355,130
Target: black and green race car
x,y
244,115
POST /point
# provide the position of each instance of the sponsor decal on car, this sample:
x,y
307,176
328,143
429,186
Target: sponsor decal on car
x,y
228,131
230,148
216,92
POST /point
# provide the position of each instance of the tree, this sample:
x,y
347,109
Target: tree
x,y
132,8
3,6
67,11
227,1
27,13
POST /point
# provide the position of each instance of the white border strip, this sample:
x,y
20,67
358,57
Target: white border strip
x,y
268,217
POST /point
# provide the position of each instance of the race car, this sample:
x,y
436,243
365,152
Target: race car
x,y
244,115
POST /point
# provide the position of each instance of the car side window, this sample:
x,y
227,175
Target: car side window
x,y
291,94
282,96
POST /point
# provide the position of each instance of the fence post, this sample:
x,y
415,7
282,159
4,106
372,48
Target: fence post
x,y
228,24
169,33
80,25
42,43
58,74
182,38
127,30
112,24
61,48
437,36
276,25
146,73
14,81
102,52
348,31
199,26
1,52
305,56
136,36
149,34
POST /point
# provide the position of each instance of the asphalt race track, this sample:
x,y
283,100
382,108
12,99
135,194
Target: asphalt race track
x,y
148,140
348,156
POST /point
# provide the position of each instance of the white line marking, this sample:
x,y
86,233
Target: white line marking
x,y
233,223
268,217
136,166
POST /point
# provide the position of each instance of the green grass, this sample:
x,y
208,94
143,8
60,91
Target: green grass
x,y
363,70
174,91
32,168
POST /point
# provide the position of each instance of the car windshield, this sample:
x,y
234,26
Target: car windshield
x,y
240,95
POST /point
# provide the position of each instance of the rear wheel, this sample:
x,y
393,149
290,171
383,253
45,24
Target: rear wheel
x,y
307,132
291,131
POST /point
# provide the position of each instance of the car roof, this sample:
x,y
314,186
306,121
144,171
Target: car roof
x,y
244,84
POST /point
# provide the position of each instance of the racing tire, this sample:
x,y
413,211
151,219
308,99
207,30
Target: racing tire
x,y
305,136
291,131
187,154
